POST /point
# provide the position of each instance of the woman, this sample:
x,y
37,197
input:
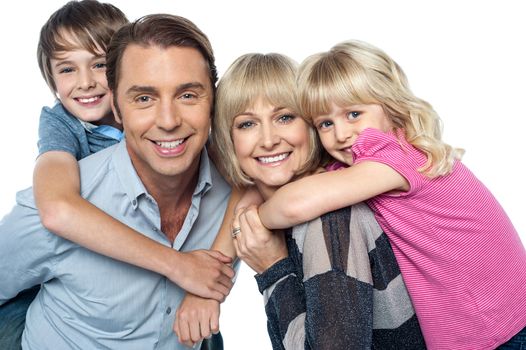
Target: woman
x,y
332,283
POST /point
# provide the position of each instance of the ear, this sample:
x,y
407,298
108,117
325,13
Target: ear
x,y
115,108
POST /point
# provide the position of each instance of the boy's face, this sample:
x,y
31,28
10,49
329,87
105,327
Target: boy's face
x,y
80,78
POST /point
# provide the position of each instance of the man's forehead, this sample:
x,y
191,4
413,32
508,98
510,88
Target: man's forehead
x,y
158,63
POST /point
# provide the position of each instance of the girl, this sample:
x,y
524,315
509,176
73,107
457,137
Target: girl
x,y
461,258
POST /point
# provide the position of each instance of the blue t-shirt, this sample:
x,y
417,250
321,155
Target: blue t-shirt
x,y
59,130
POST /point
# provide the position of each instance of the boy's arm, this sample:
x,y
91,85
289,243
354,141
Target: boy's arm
x,y
223,241
64,212
314,195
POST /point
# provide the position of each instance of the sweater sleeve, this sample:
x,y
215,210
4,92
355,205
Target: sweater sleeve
x,y
284,298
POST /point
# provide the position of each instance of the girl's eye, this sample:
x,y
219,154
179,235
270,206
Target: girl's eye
x,y
353,115
245,125
286,118
324,124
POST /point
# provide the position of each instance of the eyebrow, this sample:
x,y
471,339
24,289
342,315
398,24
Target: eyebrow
x,y
276,109
66,61
152,90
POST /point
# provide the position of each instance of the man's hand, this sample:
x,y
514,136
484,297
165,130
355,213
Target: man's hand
x,y
203,272
197,318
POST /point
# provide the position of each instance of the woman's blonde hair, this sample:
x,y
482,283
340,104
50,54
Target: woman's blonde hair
x,y
252,76
355,72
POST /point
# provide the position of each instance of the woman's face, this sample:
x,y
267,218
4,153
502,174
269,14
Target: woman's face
x,y
271,144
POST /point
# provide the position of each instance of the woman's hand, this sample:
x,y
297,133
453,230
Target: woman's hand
x,y
258,247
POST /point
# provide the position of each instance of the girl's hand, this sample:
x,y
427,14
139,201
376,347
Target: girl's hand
x,y
196,319
258,247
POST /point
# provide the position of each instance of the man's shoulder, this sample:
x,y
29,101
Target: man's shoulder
x,y
97,167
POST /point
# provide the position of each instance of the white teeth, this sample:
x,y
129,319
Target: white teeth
x,y
170,144
88,100
273,159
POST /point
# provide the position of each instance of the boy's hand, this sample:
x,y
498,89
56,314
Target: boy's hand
x,y
197,318
205,273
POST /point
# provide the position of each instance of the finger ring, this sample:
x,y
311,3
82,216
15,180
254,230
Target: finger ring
x,y
236,231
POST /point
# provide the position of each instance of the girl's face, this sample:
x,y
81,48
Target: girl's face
x,y
271,144
80,78
341,127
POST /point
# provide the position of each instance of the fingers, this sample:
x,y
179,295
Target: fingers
x,y
220,256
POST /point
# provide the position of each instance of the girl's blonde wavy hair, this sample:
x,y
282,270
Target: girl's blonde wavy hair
x,y
354,72
269,76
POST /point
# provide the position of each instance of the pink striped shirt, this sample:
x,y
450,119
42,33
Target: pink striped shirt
x,y
460,256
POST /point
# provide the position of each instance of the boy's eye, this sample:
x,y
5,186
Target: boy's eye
x,y
66,70
99,65
353,115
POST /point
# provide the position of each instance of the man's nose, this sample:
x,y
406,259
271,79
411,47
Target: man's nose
x,y
168,117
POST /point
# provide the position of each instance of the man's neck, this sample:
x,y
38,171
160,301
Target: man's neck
x,y
173,195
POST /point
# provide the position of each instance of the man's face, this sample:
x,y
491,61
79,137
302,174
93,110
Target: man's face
x,y
164,99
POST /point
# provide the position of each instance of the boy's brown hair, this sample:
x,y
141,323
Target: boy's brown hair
x,y
90,22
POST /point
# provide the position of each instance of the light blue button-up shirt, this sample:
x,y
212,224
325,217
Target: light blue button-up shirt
x,y
89,301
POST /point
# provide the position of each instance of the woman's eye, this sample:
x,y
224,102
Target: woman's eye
x,y
286,118
245,125
353,115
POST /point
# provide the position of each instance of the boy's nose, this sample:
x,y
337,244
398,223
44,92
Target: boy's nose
x,y
86,81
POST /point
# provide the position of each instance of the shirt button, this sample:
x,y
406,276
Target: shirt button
x,y
154,228
134,202
168,310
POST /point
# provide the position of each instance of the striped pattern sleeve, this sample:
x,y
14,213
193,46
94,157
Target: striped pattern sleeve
x,y
339,288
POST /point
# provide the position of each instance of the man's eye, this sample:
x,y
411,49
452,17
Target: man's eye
x,y
143,99
187,96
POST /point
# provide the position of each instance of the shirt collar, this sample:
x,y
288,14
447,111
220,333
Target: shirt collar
x,y
133,185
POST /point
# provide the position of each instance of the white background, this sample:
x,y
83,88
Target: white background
x,y
465,57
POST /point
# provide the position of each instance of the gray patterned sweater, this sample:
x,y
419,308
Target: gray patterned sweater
x,y
340,288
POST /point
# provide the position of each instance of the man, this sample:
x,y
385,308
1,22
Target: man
x,y
158,181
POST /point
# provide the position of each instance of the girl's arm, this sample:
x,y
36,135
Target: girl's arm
x,y
314,195
64,212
